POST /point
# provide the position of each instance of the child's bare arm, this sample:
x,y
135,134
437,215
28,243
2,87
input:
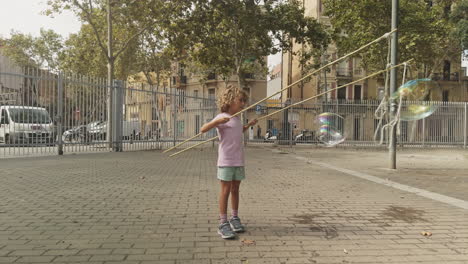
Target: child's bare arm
x,y
214,123
251,123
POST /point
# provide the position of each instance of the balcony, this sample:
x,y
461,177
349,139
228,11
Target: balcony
x,y
455,77
180,81
343,72
358,71
249,76
211,76
8,98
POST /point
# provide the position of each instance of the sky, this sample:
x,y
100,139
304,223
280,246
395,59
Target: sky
x,y
24,16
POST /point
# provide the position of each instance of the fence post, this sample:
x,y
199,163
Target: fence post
x,y
174,116
117,116
244,121
290,128
59,116
424,131
214,109
464,125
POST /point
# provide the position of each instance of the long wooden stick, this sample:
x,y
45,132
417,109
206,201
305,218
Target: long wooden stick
x,y
294,83
300,102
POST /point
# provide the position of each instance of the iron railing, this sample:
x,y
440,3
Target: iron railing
x,y
48,113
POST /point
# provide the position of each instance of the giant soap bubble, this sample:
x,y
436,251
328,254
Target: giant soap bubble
x,y
415,94
330,129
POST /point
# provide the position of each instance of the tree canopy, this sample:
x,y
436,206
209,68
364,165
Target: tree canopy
x,y
459,16
42,51
425,30
231,37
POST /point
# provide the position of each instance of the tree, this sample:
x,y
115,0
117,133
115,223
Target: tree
x,y
132,17
424,30
459,17
29,51
152,57
82,56
233,37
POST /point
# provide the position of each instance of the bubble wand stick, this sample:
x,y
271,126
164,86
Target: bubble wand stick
x,y
300,102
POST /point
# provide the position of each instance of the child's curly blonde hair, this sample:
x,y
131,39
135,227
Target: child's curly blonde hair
x,y
227,97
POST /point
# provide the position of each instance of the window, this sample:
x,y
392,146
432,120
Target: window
x,y
181,69
195,93
197,124
180,128
212,76
446,70
182,99
270,124
357,128
404,132
343,69
4,119
154,114
211,93
134,116
211,98
445,96
321,8
357,92
342,93
249,76
357,66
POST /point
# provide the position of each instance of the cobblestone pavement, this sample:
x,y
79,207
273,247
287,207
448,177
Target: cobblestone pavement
x,y
442,171
143,207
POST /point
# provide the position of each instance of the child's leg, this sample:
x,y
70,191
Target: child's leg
x,y
235,221
235,197
223,199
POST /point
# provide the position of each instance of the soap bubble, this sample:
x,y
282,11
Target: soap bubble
x,y
416,94
330,129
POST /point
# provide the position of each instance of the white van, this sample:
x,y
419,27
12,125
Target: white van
x,y
25,124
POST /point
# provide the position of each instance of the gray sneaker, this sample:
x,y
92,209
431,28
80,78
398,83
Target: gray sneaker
x,y
225,230
236,225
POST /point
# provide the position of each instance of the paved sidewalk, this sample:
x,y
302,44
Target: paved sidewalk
x,y
143,207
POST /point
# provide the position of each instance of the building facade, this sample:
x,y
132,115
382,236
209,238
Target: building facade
x,y
450,76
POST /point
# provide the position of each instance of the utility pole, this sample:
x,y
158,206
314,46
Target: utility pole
x,y
393,83
325,62
110,77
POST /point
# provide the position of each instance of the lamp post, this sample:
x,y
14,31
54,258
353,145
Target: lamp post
x,y
393,83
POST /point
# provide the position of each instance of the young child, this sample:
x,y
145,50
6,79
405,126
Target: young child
x,y
230,156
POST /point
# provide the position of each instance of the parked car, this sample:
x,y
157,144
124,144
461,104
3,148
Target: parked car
x,y
130,130
25,125
75,134
97,130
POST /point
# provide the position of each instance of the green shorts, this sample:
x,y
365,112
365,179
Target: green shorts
x,y
231,173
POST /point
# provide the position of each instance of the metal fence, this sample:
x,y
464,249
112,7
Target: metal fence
x,y
446,127
47,113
